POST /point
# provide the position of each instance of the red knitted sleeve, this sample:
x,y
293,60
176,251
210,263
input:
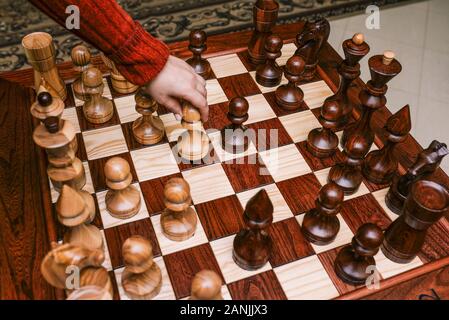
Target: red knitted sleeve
x,y
105,25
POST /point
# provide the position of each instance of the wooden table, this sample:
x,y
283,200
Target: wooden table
x,y
26,223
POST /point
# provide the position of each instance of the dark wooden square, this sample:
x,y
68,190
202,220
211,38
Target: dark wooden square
x,y
289,243
132,142
300,193
315,163
183,265
96,168
86,125
372,187
240,85
81,152
153,193
221,217
69,102
327,259
262,286
116,294
217,116
245,173
116,236
362,210
271,98
264,131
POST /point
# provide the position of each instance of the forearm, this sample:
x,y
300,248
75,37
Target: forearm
x,y
106,26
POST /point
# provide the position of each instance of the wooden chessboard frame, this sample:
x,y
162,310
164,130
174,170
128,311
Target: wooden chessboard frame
x,y
219,46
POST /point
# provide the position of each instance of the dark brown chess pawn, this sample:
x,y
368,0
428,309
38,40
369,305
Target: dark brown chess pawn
x,y
336,110
383,68
265,13
426,163
147,129
352,262
206,285
178,220
290,96
321,225
197,46
56,137
122,199
253,245
81,62
269,74
97,109
348,174
381,165
233,137
426,204
142,277
309,43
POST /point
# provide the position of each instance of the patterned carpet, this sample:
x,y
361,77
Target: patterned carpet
x,y
169,20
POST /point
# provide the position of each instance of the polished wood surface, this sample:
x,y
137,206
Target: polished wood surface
x,y
37,210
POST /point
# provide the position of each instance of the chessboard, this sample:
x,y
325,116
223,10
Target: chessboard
x,y
222,184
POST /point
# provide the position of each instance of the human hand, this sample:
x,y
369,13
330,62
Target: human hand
x,y
177,80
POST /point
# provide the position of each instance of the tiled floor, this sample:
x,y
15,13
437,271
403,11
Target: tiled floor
x,y
419,34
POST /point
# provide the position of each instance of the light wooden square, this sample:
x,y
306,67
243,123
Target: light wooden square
x,y
259,109
322,178
306,279
267,89
126,109
168,246
104,142
215,93
106,93
173,127
89,187
222,249
315,93
208,183
109,221
285,162
154,162
227,65
288,50
299,124
344,236
380,198
388,268
70,114
166,292
281,208
215,139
